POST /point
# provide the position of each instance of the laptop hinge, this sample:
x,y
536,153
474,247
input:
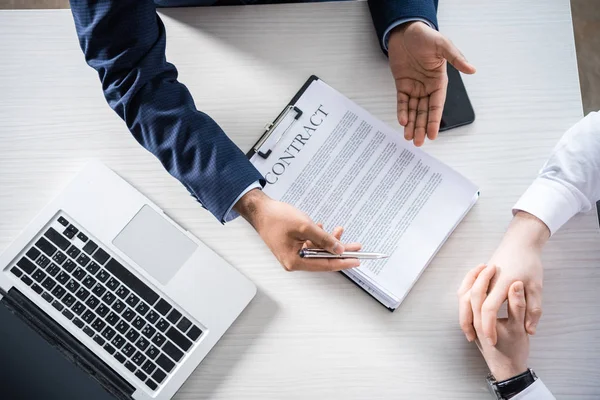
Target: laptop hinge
x,y
67,344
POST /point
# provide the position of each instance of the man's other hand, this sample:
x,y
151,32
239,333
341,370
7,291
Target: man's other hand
x,y
286,230
418,57
508,357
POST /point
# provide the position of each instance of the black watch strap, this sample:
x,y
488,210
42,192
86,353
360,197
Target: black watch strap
x,y
515,385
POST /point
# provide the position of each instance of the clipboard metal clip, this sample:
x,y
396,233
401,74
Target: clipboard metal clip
x,y
291,113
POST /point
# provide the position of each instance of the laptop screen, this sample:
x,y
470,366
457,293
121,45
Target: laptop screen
x,y
31,368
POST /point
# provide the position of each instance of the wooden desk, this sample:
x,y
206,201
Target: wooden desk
x,y
316,336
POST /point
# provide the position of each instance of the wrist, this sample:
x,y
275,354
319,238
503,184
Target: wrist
x,y
529,230
250,205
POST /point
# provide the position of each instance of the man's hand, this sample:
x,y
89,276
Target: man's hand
x,y
508,357
286,230
517,258
418,57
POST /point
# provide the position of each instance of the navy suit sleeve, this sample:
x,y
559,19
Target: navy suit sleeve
x,y
386,12
124,41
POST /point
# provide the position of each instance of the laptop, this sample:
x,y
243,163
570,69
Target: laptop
x,y
104,296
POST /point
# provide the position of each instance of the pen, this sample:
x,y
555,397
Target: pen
x,y
320,253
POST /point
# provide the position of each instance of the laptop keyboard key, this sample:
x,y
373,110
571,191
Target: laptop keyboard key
x,y
53,269
98,325
26,280
109,333
108,298
49,283
120,358
112,284
58,239
63,277
16,271
68,300
39,275
103,276
122,291
174,316
109,349
88,331
122,326
184,324
152,316
140,375
148,331
158,339
138,322
132,300
78,308
37,288
112,318
172,351
159,376
72,286
151,384
26,265
81,236
118,306
129,314
48,248
46,296
149,367
152,352
138,359
128,349
59,257
130,366
59,292
90,247
69,234
118,341
78,323
92,268
102,310
99,290
179,339
79,273
82,294
99,340
68,314
33,253
56,304
164,362
142,344
42,261
72,228
73,251
63,221
69,265
88,316
88,282
162,325
83,260
92,302
132,335
162,307
101,256
131,281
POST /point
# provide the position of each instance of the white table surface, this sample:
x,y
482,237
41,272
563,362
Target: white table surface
x,y
316,335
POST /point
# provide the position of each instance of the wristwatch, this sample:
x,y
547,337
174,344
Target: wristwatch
x,y
510,387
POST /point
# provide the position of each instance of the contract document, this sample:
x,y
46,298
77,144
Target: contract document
x,y
333,160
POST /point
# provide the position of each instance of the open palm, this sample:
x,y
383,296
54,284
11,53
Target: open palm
x,y
418,57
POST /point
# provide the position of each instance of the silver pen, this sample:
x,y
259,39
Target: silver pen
x,y
320,253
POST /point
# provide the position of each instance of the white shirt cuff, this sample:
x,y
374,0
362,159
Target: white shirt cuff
x,y
230,215
386,35
536,391
550,201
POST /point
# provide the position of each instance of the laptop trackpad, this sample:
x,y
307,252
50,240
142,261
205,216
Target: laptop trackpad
x,y
155,244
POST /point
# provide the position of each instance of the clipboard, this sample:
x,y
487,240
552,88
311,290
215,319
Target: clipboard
x,y
275,131
280,125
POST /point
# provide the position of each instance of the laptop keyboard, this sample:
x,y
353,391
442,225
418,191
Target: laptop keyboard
x,y
128,319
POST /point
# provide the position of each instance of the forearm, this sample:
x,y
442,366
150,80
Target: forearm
x,y
125,42
569,182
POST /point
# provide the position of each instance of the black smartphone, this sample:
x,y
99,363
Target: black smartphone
x,y
457,110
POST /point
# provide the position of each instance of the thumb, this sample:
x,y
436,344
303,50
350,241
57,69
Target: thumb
x,y
451,53
517,305
322,239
